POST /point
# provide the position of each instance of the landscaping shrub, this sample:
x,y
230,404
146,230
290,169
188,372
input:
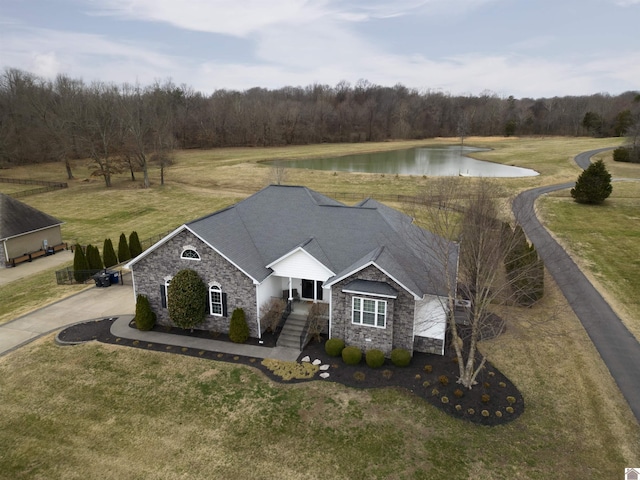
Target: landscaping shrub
x,y
400,357
593,185
622,154
238,328
443,379
123,249
135,248
145,317
458,393
109,254
351,355
80,265
93,258
374,358
272,312
187,292
485,398
428,368
359,376
334,347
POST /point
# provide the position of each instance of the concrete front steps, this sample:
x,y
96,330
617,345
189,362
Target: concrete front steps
x,y
291,331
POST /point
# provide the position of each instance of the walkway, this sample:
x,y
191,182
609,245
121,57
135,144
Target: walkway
x,y
120,328
617,346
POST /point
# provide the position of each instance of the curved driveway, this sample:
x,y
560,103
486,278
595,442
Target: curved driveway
x,y
617,346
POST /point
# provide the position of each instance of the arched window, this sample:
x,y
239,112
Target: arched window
x,y
190,253
216,304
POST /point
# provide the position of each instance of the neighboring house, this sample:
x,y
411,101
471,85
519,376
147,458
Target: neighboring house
x,y
25,232
385,286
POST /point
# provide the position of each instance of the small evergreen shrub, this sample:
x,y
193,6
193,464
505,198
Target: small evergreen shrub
x,y
109,254
145,317
502,384
499,414
485,398
511,400
334,347
486,384
187,292
351,355
374,358
123,249
444,399
426,384
458,393
400,357
509,410
80,265
458,407
471,411
238,328
443,379
428,368
135,248
485,413
435,392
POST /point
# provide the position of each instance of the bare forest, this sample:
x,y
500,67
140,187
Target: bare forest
x,y
129,127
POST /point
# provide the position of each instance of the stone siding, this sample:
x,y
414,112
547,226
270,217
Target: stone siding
x,y
150,272
400,312
428,345
3,258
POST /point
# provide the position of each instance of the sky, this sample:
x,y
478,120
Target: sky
x,y
524,48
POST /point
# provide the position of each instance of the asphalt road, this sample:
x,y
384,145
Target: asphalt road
x,y
617,346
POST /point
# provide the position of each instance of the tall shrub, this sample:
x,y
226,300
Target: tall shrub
x,y
80,265
93,258
135,248
238,328
188,293
145,317
109,254
123,249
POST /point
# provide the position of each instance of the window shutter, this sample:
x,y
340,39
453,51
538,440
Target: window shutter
x,y
225,313
163,296
207,300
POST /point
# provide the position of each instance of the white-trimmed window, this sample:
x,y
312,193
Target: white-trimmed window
x,y
215,300
366,311
190,253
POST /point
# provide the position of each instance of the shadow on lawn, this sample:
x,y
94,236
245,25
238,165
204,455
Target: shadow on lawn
x,y
493,401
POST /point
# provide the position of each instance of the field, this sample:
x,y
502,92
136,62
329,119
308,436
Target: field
x,y
101,411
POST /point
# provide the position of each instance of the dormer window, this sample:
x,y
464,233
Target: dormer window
x,y
190,253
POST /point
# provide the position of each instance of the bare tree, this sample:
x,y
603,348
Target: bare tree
x,y
480,281
278,174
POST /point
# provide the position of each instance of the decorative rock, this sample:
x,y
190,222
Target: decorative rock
x,y
324,367
316,362
306,359
324,375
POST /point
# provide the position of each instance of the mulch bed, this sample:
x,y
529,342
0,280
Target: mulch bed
x,y
422,377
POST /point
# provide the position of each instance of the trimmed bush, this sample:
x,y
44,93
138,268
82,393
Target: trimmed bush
x,y
93,258
123,249
374,358
443,379
238,328
400,357
334,347
135,248
145,317
109,254
351,355
485,398
187,294
80,265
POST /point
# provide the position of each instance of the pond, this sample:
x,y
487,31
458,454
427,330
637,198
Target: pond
x,y
433,161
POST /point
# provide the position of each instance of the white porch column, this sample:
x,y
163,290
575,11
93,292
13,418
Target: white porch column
x,y
290,291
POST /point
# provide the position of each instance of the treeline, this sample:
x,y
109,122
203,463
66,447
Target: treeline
x,y
132,126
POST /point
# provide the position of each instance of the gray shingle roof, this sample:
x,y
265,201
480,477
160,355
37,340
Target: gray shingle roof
x,y
271,223
17,218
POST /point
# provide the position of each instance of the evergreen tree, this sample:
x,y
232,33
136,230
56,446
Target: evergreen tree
x,y
187,294
80,265
593,185
135,248
145,317
109,254
123,249
238,328
93,258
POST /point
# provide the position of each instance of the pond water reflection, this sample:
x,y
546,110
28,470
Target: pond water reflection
x,y
433,161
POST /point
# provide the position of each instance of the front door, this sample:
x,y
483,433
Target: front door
x,y
308,287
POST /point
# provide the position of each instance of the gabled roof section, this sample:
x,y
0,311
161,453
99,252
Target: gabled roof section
x,y
279,220
17,218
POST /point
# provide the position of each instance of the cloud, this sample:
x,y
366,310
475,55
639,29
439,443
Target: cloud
x,y
626,3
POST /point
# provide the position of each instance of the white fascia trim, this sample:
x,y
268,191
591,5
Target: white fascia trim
x,y
369,294
255,282
333,282
155,246
296,250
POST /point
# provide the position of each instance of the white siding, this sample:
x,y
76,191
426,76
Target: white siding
x,y
301,265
